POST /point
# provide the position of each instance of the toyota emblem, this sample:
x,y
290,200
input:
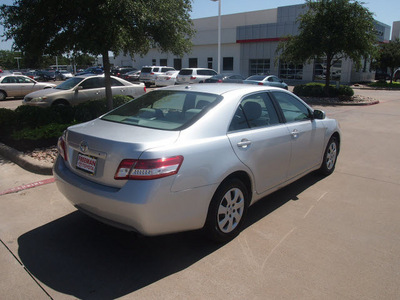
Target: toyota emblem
x,y
83,146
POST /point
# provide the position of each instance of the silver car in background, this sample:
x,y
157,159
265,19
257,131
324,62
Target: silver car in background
x,y
269,80
191,157
83,88
194,75
19,85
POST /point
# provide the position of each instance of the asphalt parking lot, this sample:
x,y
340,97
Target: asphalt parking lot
x,y
319,238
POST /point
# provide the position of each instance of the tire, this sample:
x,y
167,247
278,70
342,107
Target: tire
x,y
330,157
60,103
227,211
3,95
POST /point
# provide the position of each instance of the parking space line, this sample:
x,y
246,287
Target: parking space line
x,y
27,186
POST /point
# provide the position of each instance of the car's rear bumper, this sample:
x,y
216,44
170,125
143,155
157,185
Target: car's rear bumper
x,y
148,207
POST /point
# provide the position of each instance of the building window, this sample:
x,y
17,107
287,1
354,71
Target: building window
x,y
177,63
153,62
163,62
320,70
259,67
227,64
192,62
290,71
210,62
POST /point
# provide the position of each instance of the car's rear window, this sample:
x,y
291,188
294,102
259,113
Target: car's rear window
x,y
146,70
166,110
186,72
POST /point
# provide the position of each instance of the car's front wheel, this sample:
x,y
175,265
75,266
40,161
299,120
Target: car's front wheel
x,y
330,156
227,211
3,95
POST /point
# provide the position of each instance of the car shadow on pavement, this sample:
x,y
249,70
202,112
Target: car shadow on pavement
x,y
79,256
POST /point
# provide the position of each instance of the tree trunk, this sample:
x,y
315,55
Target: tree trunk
x,y
107,79
328,74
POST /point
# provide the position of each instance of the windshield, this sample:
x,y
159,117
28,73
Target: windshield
x,y
167,110
69,84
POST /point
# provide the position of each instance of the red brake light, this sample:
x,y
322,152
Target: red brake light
x,y
145,89
146,169
62,148
193,77
152,73
260,83
219,80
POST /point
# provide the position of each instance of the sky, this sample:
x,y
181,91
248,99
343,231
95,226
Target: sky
x,y
385,11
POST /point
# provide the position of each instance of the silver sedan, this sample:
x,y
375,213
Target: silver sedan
x,y
19,86
190,157
83,88
270,80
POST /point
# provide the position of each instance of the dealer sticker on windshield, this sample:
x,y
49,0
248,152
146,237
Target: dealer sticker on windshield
x,y
86,163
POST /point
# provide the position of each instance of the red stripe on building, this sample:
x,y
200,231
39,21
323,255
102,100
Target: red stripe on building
x,y
27,186
261,40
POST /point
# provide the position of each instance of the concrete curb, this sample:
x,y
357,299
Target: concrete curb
x,y
26,162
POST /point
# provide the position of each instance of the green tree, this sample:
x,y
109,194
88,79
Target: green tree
x,y
331,29
389,57
98,26
7,59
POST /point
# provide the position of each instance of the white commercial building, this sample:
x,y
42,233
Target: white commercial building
x,y
248,44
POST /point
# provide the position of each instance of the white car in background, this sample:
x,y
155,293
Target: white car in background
x,y
166,79
81,89
19,85
194,75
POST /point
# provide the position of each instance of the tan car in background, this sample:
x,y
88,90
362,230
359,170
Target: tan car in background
x,y
20,85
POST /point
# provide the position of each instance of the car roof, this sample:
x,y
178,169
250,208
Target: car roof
x,y
220,89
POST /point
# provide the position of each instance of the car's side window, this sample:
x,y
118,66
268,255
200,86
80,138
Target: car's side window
x,y
115,82
254,111
10,80
93,83
293,110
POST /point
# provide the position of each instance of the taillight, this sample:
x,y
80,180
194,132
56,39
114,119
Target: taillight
x,y
260,83
152,73
219,80
146,169
145,89
193,77
168,78
62,147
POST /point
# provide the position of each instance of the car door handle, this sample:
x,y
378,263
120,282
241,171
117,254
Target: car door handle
x,y
295,133
244,143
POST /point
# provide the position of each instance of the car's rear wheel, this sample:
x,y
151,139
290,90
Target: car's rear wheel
x,y
3,95
227,211
330,156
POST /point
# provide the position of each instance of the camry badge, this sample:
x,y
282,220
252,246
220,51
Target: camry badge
x,y
83,146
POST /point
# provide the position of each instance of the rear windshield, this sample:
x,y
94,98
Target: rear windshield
x,y
256,77
146,70
186,72
166,110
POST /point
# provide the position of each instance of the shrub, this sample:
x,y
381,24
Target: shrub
x,y
48,131
7,117
317,90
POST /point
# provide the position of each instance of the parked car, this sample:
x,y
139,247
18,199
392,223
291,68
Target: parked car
x,y
91,70
227,78
32,74
81,89
19,86
119,72
63,75
381,75
185,158
132,75
166,79
44,75
396,75
194,75
270,80
148,74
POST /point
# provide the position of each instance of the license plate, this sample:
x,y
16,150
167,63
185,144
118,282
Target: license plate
x,y
86,163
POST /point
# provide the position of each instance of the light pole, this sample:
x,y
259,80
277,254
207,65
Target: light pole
x,y
18,58
219,34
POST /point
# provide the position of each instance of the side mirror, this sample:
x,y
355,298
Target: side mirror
x,y
319,114
79,87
